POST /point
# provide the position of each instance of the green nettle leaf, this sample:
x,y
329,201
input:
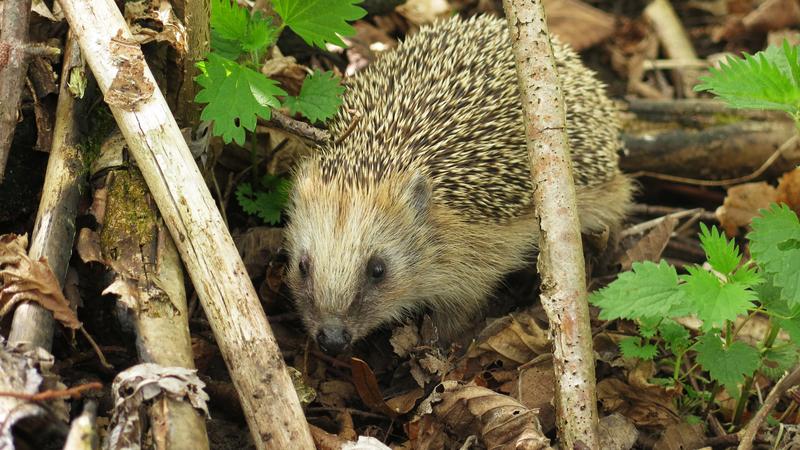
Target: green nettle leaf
x,y
779,359
320,97
775,245
729,366
320,21
722,254
715,302
235,96
266,202
649,290
766,80
675,335
648,326
234,30
791,326
631,347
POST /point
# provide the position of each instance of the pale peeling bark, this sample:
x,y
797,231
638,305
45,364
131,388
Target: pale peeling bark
x,y
251,353
560,263
54,230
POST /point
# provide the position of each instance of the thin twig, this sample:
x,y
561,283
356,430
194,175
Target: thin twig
x,y
96,348
50,394
748,433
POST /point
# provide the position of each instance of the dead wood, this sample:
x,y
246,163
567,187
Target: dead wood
x,y
13,65
150,285
560,262
705,139
54,230
232,307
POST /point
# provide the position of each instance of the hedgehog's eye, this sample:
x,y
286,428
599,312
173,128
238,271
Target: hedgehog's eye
x,y
303,266
376,269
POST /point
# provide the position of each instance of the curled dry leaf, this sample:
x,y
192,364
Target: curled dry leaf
x,y
498,420
514,340
143,383
742,204
368,389
648,406
148,24
404,339
27,280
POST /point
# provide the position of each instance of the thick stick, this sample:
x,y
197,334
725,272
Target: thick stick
x,y
560,262
13,65
54,230
268,398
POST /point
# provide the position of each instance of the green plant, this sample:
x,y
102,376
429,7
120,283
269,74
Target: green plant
x,y
235,93
266,200
770,79
722,295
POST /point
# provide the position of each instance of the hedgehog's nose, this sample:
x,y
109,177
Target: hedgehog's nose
x,y
333,339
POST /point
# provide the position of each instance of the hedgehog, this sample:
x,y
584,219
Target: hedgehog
x,y
422,200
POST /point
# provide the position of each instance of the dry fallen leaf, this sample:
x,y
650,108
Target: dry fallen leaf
x,y
617,432
367,387
680,436
497,420
651,245
27,280
536,388
742,204
514,339
789,189
421,12
648,406
404,339
578,24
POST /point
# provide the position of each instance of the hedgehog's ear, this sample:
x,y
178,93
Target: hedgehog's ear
x,y
418,192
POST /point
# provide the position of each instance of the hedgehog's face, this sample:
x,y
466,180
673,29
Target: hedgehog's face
x,y
355,255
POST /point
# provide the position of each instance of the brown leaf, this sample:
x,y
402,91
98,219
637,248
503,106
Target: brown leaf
x,y
367,387
650,247
498,420
680,436
421,12
404,339
789,189
405,402
536,388
515,339
617,432
773,15
27,280
578,24
742,204
649,406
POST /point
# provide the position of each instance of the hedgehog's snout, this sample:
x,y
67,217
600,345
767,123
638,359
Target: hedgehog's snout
x,y
333,338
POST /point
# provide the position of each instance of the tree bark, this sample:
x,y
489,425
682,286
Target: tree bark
x,y
560,261
251,353
13,66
